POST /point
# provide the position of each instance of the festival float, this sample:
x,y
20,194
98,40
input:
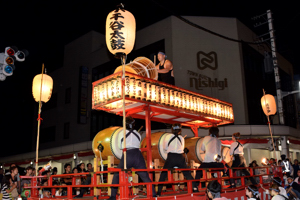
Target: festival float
x,y
133,90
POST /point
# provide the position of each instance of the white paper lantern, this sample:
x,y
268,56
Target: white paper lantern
x,y
268,104
120,32
46,88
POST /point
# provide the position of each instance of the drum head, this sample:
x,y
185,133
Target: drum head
x,y
163,154
115,139
200,154
226,154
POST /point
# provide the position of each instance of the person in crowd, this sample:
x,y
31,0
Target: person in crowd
x,y
237,156
278,182
134,157
78,180
26,182
67,180
174,146
279,162
252,192
46,193
7,187
81,168
214,191
211,145
55,179
286,166
296,167
165,69
89,167
14,179
253,164
275,193
297,179
17,176
293,187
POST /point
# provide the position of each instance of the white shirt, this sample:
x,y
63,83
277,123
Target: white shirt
x,y
239,150
296,180
175,146
132,141
278,197
211,146
282,191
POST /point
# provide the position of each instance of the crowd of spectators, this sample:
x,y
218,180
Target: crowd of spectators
x,y
12,185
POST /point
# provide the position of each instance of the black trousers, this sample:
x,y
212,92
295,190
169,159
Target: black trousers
x,y
174,160
135,159
239,161
209,165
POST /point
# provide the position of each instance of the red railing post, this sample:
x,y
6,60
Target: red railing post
x,y
34,191
69,191
124,189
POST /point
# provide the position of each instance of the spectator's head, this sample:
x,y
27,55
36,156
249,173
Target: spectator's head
x,y
75,170
13,170
298,173
13,165
89,167
283,157
277,180
296,162
214,189
176,129
67,168
290,179
279,162
272,161
274,190
46,193
213,131
254,163
29,170
130,122
236,136
252,191
54,171
82,166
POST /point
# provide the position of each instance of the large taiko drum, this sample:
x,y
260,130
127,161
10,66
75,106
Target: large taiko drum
x,y
108,139
141,66
193,145
157,140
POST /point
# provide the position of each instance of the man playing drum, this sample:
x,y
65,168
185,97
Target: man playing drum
x,y
134,157
174,145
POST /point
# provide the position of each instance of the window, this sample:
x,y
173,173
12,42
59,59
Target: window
x,y
67,130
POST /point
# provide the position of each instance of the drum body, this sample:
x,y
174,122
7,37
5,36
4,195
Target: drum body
x,y
194,144
108,140
141,66
157,140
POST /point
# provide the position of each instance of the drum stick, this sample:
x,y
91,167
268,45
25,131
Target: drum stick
x,y
154,60
140,128
184,136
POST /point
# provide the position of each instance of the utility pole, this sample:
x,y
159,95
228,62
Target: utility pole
x,y
275,63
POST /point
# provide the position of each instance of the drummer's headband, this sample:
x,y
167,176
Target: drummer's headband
x,y
162,53
176,127
253,192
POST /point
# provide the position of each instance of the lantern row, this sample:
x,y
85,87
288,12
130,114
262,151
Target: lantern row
x,y
140,89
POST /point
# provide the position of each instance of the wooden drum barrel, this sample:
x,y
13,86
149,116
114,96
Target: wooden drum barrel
x,y
156,146
108,140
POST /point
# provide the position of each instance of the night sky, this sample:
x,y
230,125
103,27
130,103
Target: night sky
x,y
44,27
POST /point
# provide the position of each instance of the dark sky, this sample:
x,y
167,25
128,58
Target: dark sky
x,y
44,27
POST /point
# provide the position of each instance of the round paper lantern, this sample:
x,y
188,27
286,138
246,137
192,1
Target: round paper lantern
x,y
45,87
120,32
268,104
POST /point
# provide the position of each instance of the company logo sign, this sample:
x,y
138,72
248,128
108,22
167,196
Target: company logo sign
x,y
200,81
207,60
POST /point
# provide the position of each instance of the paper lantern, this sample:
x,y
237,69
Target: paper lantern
x,y
149,91
167,91
120,32
138,88
157,87
172,98
268,104
132,92
42,92
127,86
144,90
153,93
118,87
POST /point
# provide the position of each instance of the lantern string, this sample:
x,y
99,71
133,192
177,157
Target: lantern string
x,y
39,117
120,7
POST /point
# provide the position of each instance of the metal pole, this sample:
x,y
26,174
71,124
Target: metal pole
x,y
276,68
124,113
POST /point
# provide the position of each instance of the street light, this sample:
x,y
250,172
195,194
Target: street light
x,y
41,90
